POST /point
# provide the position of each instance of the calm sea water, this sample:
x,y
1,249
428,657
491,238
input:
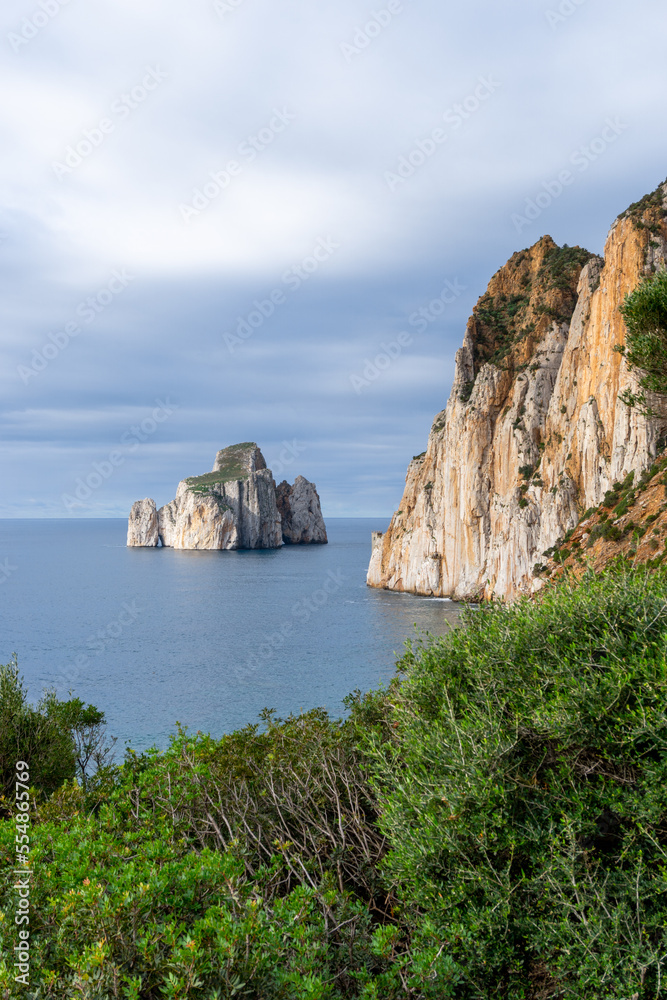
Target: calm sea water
x,y
152,636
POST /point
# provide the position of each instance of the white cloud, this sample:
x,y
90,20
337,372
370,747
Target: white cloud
x,y
321,176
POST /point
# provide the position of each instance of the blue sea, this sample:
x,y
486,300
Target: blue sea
x,y
208,639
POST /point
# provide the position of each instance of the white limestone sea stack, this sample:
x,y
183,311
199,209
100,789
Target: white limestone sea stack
x,y
143,524
236,506
299,507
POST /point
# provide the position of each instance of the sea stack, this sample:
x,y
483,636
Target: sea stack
x,y
235,506
142,529
300,514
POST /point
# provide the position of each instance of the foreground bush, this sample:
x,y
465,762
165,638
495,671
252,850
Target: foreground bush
x,y
525,797
240,867
494,825
61,739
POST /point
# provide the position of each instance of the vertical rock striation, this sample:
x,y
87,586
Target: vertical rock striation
x,y
535,431
197,521
142,528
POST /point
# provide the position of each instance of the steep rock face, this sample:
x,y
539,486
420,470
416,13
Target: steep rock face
x,y
193,521
232,507
142,528
300,513
534,431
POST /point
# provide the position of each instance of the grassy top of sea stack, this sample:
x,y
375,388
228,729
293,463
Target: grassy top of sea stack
x,y
232,465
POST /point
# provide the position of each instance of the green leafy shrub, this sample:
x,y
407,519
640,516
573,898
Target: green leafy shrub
x,y
562,267
605,529
645,315
138,914
527,816
247,865
492,825
58,739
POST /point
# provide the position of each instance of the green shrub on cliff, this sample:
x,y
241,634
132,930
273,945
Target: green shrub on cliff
x,y
525,796
645,315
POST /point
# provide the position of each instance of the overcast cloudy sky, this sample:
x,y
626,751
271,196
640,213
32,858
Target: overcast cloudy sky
x,y
214,215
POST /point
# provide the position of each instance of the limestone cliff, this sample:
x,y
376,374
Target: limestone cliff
x,y
233,507
534,431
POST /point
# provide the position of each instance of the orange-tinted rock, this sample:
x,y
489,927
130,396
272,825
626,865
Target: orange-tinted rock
x,y
534,431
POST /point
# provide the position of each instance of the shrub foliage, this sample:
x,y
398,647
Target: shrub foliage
x,y
525,796
493,824
645,315
61,739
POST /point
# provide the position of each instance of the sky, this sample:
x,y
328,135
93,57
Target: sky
x,y
216,217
